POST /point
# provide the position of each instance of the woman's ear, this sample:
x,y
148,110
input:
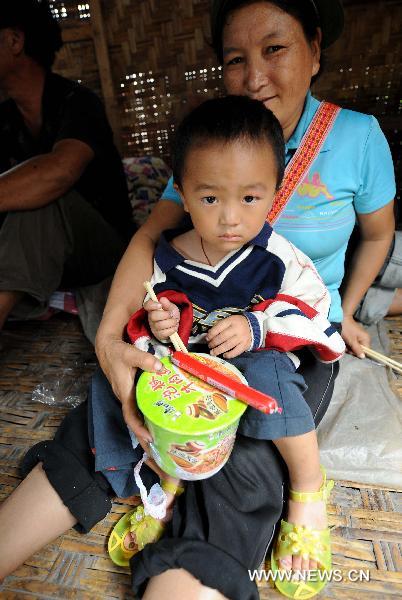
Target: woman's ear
x,y
180,192
316,52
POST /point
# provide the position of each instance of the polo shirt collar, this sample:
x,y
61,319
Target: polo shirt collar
x,y
311,106
168,258
261,239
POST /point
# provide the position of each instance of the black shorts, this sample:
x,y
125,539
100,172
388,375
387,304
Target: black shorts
x,y
70,467
221,526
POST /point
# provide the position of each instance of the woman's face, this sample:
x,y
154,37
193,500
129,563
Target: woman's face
x,y
266,56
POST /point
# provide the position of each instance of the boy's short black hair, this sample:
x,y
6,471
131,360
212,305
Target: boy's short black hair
x,y
228,119
42,31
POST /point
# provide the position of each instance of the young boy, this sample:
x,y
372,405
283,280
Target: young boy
x,y
245,293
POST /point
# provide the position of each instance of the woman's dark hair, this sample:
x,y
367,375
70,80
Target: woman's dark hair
x,y
226,120
42,32
303,11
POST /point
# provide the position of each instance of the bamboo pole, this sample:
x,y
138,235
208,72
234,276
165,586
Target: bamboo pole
x,y
78,33
105,72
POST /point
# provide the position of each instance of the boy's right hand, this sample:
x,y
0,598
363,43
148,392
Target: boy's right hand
x,y
163,318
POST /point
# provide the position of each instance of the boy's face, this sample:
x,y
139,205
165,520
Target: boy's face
x,y
228,189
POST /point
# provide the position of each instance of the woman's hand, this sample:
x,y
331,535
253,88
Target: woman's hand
x,y
376,229
229,337
354,335
163,318
119,361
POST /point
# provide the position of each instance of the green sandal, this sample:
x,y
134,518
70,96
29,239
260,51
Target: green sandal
x,y
307,542
146,529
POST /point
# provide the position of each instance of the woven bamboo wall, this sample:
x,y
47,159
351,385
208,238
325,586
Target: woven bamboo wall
x,y
77,59
161,60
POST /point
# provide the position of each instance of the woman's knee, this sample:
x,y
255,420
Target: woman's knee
x,y
181,585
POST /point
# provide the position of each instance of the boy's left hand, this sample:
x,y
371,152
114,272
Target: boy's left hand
x,y
229,337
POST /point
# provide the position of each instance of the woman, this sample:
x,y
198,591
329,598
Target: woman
x,y
222,526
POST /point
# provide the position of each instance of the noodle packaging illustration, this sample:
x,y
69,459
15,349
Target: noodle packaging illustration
x,y
193,424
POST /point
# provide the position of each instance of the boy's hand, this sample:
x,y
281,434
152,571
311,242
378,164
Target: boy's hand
x,y
163,318
229,337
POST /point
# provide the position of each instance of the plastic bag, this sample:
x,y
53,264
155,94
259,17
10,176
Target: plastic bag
x,y
67,388
360,435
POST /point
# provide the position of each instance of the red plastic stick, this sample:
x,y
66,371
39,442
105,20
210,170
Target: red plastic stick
x,y
228,385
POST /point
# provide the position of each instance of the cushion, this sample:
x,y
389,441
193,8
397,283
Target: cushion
x,y
147,177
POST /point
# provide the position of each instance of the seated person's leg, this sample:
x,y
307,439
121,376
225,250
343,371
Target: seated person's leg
x,y
384,296
293,433
60,491
32,254
320,380
66,241
95,247
30,518
221,526
396,306
180,585
8,300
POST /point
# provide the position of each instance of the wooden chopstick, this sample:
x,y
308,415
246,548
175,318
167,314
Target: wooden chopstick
x,y
388,358
176,340
381,358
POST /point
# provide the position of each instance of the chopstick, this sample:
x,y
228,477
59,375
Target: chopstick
x,y
381,358
176,340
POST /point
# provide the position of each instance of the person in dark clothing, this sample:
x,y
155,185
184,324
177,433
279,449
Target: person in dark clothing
x,y
221,527
65,216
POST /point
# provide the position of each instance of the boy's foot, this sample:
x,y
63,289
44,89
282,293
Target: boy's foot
x,y
130,542
308,514
136,529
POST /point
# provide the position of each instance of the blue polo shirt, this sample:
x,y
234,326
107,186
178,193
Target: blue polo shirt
x,y
353,173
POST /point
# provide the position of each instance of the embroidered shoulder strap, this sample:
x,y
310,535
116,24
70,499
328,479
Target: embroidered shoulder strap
x,y
304,157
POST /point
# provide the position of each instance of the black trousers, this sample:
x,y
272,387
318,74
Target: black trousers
x,y
221,526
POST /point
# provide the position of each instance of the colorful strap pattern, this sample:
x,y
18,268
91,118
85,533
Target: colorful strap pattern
x,y
304,157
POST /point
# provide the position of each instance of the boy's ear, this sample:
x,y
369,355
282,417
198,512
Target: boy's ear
x,y
179,191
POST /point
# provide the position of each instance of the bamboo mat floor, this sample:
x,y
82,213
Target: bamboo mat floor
x,y
367,519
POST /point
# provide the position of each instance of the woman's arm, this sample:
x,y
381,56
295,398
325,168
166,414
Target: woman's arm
x,y
118,360
377,230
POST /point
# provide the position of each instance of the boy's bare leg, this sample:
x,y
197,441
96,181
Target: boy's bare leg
x,y
302,457
7,302
30,518
180,585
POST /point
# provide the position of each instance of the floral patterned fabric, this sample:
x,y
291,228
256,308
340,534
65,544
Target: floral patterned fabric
x,y
147,177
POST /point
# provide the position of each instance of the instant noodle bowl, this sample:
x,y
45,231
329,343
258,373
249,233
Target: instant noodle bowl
x,y
193,424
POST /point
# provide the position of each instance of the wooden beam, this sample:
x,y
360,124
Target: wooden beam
x,y
105,72
77,33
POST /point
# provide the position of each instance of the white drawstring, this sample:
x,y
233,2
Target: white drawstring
x,y
155,502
